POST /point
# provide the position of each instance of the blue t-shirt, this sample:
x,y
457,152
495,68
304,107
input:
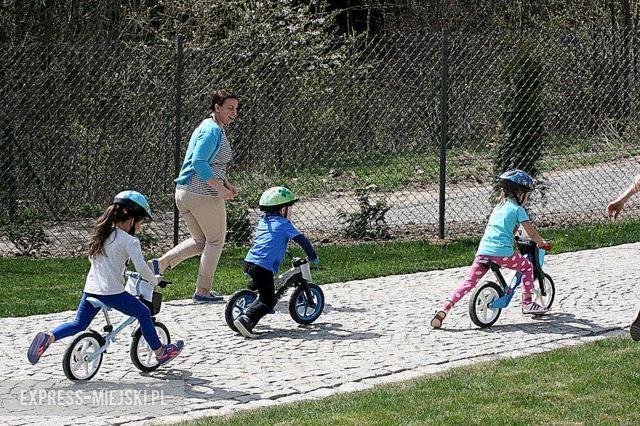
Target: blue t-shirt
x,y
498,237
272,236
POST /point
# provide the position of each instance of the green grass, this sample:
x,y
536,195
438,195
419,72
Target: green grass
x,y
39,286
597,383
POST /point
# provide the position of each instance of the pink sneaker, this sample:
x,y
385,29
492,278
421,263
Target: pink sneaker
x,y
169,352
533,309
39,344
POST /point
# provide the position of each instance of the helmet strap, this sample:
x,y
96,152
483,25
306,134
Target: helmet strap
x,y
132,228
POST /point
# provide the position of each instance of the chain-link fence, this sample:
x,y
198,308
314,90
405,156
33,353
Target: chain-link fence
x,y
386,118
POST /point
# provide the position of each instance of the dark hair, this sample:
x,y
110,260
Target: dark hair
x,y
275,209
106,223
219,96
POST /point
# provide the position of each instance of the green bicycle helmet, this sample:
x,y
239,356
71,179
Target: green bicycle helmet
x,y
276,197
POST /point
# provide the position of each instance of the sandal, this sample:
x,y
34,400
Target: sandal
x,y
436,322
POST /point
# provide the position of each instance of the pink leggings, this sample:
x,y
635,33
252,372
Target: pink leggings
x,y
515,262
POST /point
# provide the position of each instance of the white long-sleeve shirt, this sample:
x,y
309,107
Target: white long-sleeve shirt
x,y
105,276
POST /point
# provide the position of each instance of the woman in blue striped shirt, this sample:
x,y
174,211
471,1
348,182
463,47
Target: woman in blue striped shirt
x,y
201,190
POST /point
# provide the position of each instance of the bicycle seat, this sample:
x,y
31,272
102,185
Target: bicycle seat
x,y
494,266
98,304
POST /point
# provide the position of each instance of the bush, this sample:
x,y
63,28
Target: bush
x,y
239,227
25,229
369,222
521,138
88,210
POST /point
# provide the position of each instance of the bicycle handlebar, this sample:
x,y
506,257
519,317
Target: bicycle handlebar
x,y
162,283
528,242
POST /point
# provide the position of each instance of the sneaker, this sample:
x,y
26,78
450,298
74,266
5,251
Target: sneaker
x,y
155,266
244,326
169,352
533,308
436,322
209,298
39,344
634,330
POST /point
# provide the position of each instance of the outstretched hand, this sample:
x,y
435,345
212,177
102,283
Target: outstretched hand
x,y
614,209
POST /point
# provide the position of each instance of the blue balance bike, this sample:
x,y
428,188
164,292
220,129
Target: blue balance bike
x,y
488,300
83,356
305,304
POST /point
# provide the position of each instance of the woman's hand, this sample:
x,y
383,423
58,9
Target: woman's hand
x,y
230,187
221,188
226,193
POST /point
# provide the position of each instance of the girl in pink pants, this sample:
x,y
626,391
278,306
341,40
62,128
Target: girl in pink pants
x,y
497,244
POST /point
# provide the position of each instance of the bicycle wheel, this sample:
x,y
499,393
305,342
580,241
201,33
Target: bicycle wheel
x,y
236,305
299,305
550,292
75,364
142,355
481,314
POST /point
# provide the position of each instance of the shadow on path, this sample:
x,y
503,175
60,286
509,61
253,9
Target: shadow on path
x,y
554,323
198,388
315,331
557,323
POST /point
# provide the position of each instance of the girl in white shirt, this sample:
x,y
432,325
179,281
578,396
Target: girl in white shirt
x,y
112,244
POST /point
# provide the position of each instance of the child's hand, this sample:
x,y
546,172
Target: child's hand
x,y
545,246
315,262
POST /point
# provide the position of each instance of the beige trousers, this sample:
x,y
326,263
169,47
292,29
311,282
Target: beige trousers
x,y
206,220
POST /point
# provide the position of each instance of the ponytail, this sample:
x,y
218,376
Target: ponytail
x,y
106,223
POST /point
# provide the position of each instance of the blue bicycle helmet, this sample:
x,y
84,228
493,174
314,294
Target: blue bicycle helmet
x,y
516,179
135,201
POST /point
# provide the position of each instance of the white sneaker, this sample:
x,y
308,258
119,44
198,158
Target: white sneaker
x,y
533,308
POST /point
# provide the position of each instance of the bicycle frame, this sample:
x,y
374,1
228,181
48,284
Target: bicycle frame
x,y
112,333
294,277
537,259
111,336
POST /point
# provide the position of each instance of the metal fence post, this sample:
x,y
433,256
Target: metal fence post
x,y
444,131
6,148
176,158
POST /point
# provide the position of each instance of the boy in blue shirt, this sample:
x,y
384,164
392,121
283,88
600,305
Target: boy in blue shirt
x,y
263,261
